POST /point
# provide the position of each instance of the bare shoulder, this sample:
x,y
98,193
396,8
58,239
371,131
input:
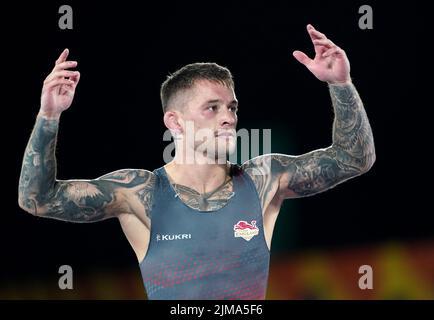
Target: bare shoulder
x,y
130,177
136,193
265,179
265,169
134,185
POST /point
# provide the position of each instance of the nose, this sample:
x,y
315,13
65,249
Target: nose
x,y
228,119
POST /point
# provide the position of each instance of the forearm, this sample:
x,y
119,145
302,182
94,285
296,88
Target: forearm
x,y
38,172
352,135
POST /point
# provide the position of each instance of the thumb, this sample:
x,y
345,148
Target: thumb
x,y
302,58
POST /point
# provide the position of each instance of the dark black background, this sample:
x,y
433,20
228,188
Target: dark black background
x,y
125,49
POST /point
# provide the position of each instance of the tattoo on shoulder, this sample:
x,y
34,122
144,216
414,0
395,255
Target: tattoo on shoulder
x,y
104,197
307,174
351,153
259,170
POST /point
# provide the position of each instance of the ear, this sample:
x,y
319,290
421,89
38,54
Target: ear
x,y
173,122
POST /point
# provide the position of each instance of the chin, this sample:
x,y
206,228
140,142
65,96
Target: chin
x,y
217,151
222,155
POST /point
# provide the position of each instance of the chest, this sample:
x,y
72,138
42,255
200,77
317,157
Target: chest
x,y
208,202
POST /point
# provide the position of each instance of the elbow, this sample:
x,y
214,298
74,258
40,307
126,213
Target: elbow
x,y
360,163
22,204
368,162
369,157
27,204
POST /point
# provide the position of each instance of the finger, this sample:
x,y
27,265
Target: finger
x,y
65,65
315,34
332,51
57,82
75,78
63,56
324,42
60,74
302,57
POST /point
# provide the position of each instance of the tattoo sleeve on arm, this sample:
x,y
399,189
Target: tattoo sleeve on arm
x,y
352,135
351,154
38,172
74,200
101,198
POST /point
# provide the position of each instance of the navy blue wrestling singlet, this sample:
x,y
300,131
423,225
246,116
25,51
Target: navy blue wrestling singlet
x,y
195,254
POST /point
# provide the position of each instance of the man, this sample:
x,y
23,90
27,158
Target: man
x,y
201,227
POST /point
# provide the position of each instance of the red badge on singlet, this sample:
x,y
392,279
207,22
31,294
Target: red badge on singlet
x,y
246,230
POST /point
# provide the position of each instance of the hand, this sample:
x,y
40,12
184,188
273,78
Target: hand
x,y
330,63
59,87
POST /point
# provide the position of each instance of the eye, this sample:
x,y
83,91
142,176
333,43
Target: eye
x,y
233,109
212,108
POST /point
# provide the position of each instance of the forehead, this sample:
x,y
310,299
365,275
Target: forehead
x,y
204,90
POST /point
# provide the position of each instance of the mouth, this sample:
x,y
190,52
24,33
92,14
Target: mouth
x,y
225,134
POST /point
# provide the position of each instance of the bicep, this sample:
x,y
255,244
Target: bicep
x,y
311,173
81,201
98,199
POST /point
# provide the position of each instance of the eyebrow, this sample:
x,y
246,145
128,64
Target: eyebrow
x,y
233,102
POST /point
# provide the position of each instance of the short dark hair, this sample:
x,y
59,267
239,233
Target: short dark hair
x,y
186,77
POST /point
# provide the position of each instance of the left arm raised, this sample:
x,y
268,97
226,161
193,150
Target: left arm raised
x,y
352,151
351,154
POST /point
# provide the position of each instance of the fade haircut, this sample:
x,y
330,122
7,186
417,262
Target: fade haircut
x,y
186,77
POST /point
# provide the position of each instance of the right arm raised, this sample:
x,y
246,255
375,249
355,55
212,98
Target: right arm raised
x,y
77,200
41,194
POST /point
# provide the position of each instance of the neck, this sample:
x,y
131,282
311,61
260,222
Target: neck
x,y
199,175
